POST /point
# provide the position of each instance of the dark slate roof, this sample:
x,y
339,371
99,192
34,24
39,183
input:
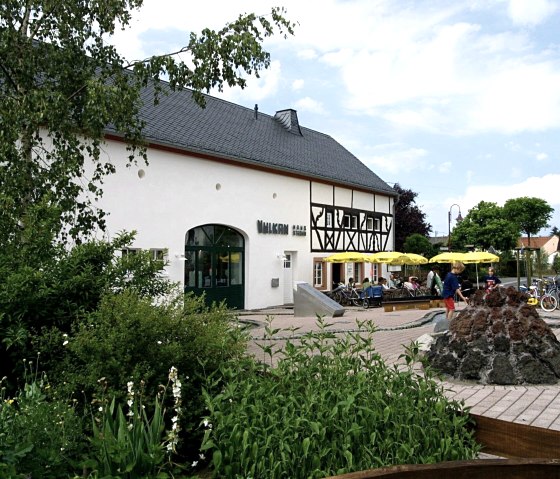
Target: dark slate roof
x,y
229,131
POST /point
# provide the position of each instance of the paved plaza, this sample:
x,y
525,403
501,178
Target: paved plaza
x,y
532,405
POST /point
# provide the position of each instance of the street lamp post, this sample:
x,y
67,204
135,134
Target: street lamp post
x,y
458,220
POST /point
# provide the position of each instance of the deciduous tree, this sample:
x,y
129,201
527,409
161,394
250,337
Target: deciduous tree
x,y
486,225
409,218
62,84
530,215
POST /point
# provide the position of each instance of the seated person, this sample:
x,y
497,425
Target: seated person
x,y
413,280
351,283
365,285
383,283
392,282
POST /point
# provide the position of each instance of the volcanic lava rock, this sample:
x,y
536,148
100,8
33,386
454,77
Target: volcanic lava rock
x,y
498,339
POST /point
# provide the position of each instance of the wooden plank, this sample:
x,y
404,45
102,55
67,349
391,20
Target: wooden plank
x,y
509,439
481,468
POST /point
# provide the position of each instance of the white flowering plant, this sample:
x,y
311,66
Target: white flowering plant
x,y
129,443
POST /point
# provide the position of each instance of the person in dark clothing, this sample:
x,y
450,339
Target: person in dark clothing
x,y
491,280
452,287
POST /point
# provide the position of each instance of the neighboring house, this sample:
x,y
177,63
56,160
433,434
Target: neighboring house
x,y
547,244
243,204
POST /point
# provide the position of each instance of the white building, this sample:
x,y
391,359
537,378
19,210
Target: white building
x,y
245,204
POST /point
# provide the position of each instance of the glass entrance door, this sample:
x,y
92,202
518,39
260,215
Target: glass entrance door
x,y
214,264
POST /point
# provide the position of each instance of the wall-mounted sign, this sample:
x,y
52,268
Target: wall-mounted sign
x,y
268,228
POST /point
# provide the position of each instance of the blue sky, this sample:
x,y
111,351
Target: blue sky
x,y
457,100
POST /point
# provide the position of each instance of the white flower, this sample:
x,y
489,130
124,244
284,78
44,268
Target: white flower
x,y
65,343
194,463
202,456
100,408
207,424
159,342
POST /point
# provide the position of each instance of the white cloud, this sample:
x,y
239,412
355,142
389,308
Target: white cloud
x,y
257,88
530,12
545,187
520,97
307,54
541,156
309,104
397,160
298,84
445,167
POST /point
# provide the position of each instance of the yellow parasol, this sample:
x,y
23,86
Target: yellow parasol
x,y
414,259
448,257
387,257
480,257
348,257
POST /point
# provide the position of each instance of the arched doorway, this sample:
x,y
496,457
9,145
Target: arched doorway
x,y
214,264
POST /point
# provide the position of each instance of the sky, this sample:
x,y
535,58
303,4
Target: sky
x,y
458,101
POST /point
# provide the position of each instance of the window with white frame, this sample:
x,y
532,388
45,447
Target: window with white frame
x,y
130,251
328,219
369,223
377,224
158,254
318,274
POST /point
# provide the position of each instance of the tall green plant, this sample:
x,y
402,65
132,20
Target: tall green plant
x,y
329,406
130,443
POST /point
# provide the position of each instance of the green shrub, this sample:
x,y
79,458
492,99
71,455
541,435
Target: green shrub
x,y
40,434
330,406
41,296
131,338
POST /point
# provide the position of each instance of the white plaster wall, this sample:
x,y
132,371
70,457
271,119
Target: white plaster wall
x,y
343,197
321,193
363,201
178,193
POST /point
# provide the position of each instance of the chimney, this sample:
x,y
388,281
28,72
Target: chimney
x,y
289,120
256,111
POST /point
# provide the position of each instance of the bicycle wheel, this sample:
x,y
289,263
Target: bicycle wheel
x,y
355,298
338,297
548,302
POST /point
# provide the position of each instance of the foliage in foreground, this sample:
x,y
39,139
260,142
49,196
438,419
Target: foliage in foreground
x,y
331,406
129,338
40,433
41,436
41,296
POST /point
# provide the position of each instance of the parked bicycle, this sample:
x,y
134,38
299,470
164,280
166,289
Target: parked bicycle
x,y
346,296
539,295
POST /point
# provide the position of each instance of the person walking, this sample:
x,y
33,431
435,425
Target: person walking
x,y
433,281
452,287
